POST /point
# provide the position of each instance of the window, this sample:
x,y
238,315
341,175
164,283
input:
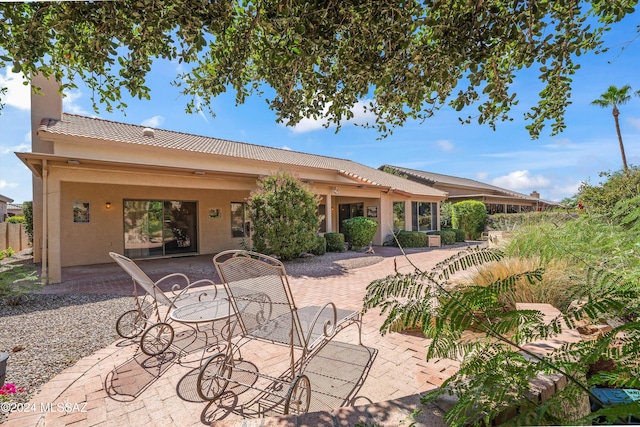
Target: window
x,y
239,224
398,216
425,216
159,228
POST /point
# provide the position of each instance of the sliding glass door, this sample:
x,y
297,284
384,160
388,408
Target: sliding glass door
x,y
154,228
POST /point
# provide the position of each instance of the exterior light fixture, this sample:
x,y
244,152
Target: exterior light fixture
x,y
73,162
335,190
198,172
107,205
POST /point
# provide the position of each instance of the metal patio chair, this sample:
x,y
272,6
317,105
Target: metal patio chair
x,y
260,295
155,309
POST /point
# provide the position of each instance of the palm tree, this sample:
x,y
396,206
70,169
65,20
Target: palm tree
x,y
612,98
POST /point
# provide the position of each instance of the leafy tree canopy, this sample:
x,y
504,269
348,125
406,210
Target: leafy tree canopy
x,y
408,58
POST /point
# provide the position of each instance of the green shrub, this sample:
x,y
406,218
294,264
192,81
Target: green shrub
x,y
283,211
17,219
335,242
7,253
359,231
618,186
513,221
412,239
469,216
460,234
321,246
27,210
447,236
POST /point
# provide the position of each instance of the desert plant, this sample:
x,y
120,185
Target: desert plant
x,y
556,287
283,212
335,242
359,231
469,216
496,369
320,247
411,239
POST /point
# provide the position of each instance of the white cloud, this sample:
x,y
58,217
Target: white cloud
x,y
445,145
284,147
482,175
362,114
18,95
522,179
69,103
19,147
634,122
4,184
153,122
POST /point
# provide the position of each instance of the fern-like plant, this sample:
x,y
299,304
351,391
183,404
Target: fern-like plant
x,y
496,369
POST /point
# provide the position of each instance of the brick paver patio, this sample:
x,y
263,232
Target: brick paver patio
x,y
119,385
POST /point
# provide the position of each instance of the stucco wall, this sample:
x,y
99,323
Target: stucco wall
x,y
13,236
88,243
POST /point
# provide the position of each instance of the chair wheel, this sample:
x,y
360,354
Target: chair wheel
x,y
214,377
131,324
299,396
156,339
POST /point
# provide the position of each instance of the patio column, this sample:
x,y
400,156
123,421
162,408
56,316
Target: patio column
x,y
53,236
328,213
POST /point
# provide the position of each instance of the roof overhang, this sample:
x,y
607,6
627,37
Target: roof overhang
x,y
35,162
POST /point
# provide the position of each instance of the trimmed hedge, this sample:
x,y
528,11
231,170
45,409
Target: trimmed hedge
x,y
460,234
335,242
320,247
359,231
412,239
447,236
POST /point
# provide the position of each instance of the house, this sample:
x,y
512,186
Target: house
x,y
14,210
101,186
496,199
4,202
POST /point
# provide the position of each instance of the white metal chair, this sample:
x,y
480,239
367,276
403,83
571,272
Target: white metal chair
x,y
260,295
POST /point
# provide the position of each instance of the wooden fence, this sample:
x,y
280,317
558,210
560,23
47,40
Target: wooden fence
x,y
13,236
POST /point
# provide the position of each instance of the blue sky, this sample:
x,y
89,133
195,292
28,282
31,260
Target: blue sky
x,y
506,157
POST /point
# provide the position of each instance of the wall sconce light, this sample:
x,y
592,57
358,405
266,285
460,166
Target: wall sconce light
x,y
335,190
107,205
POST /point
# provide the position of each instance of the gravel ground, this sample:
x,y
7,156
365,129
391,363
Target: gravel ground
x,y
48,333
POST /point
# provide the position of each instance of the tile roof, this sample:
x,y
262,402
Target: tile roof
x,y
436,178
99,129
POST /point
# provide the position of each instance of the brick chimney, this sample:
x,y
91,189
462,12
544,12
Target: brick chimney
x,y
535,194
